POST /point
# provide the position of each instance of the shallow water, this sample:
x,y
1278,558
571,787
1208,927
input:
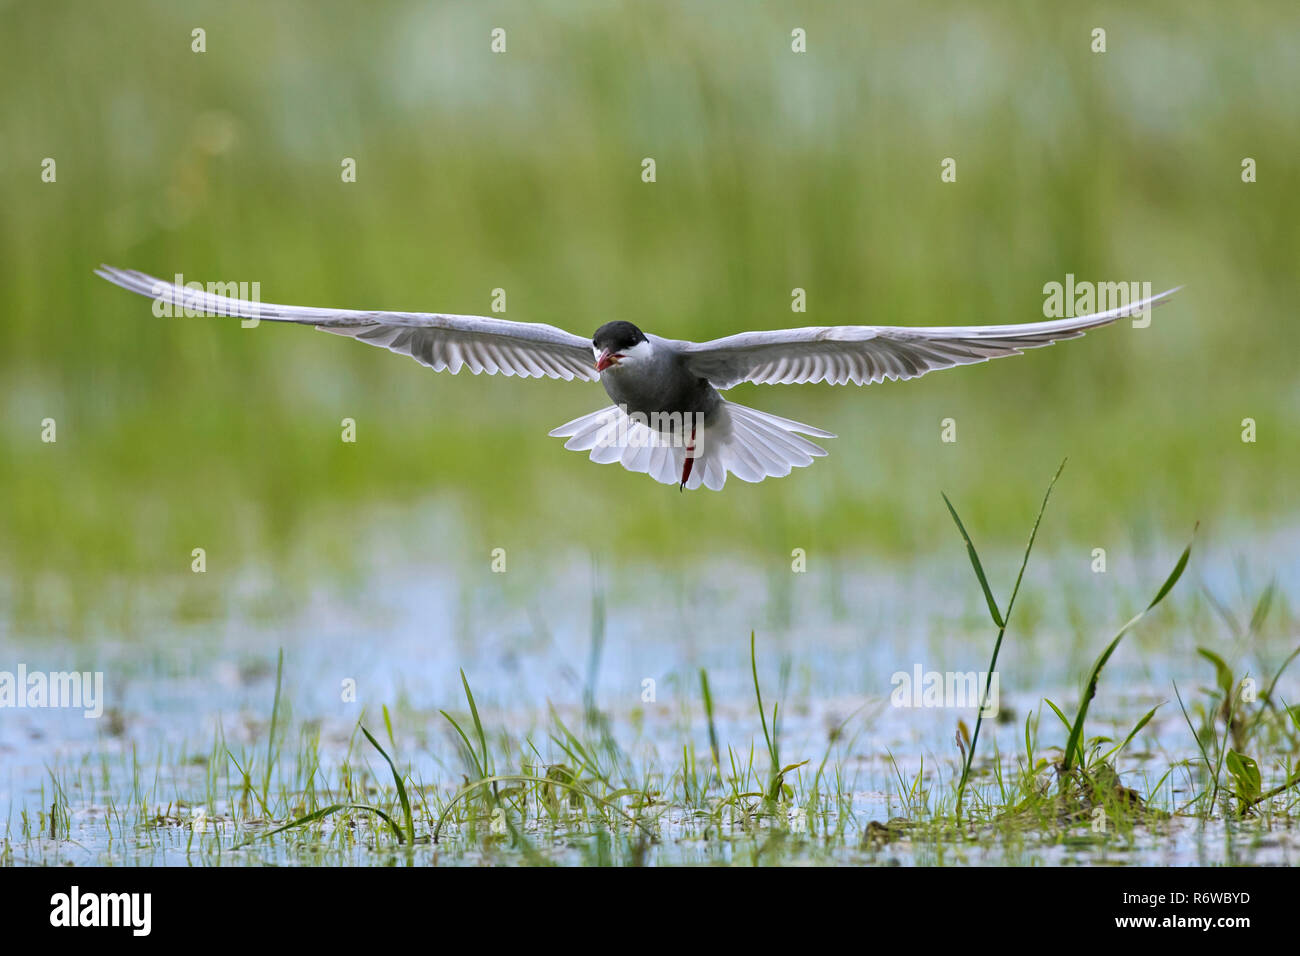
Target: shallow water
x,y
828,641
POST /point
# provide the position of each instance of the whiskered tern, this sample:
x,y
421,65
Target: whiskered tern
x,y
669,419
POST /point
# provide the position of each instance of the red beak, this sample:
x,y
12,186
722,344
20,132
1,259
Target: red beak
x,y
607,358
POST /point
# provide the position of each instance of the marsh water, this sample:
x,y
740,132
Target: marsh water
x,y
188,697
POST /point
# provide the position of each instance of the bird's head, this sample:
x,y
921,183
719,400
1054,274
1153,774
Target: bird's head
x,y
618,344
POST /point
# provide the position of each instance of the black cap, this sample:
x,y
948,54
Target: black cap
x,y
616,336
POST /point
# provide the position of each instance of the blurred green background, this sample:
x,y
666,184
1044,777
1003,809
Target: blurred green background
x,y
522,171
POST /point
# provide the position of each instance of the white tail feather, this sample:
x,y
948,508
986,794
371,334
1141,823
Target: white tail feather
x,y
742,441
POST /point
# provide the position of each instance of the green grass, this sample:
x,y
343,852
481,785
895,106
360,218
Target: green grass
x,y
538,814
1073,755
1000,620
611,802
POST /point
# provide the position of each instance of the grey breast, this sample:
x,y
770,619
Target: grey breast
x,y
661,385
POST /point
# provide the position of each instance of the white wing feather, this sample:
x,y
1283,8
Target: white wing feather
x,y
437,340
863,354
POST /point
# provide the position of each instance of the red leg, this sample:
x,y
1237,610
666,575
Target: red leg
x,y
690,460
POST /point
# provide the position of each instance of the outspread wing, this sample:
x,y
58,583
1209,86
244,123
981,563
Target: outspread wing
x,y
437,340
863,354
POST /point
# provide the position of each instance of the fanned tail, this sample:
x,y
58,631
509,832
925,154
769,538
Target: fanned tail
x,y
738,440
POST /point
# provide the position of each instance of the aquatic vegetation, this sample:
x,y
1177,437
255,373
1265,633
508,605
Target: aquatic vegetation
x,y
589,784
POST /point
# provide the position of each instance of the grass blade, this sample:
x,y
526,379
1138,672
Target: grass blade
x,y
275,719
1090,688
708,713
997,618
478,724
774,783
326,811
401,788
975,563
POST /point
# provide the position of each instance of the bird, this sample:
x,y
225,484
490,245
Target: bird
x,y
669,419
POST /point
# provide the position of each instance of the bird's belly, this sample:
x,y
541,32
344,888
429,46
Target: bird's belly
x,y
690,397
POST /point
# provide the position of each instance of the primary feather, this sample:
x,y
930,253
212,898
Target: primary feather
x,y
863,354
441,341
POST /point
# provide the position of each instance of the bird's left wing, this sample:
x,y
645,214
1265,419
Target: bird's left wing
x,y
863,354
437,340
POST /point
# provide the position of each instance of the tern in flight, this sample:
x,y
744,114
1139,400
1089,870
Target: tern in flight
x,y
669,419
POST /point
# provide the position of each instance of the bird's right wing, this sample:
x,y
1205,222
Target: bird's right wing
x,y
437,340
